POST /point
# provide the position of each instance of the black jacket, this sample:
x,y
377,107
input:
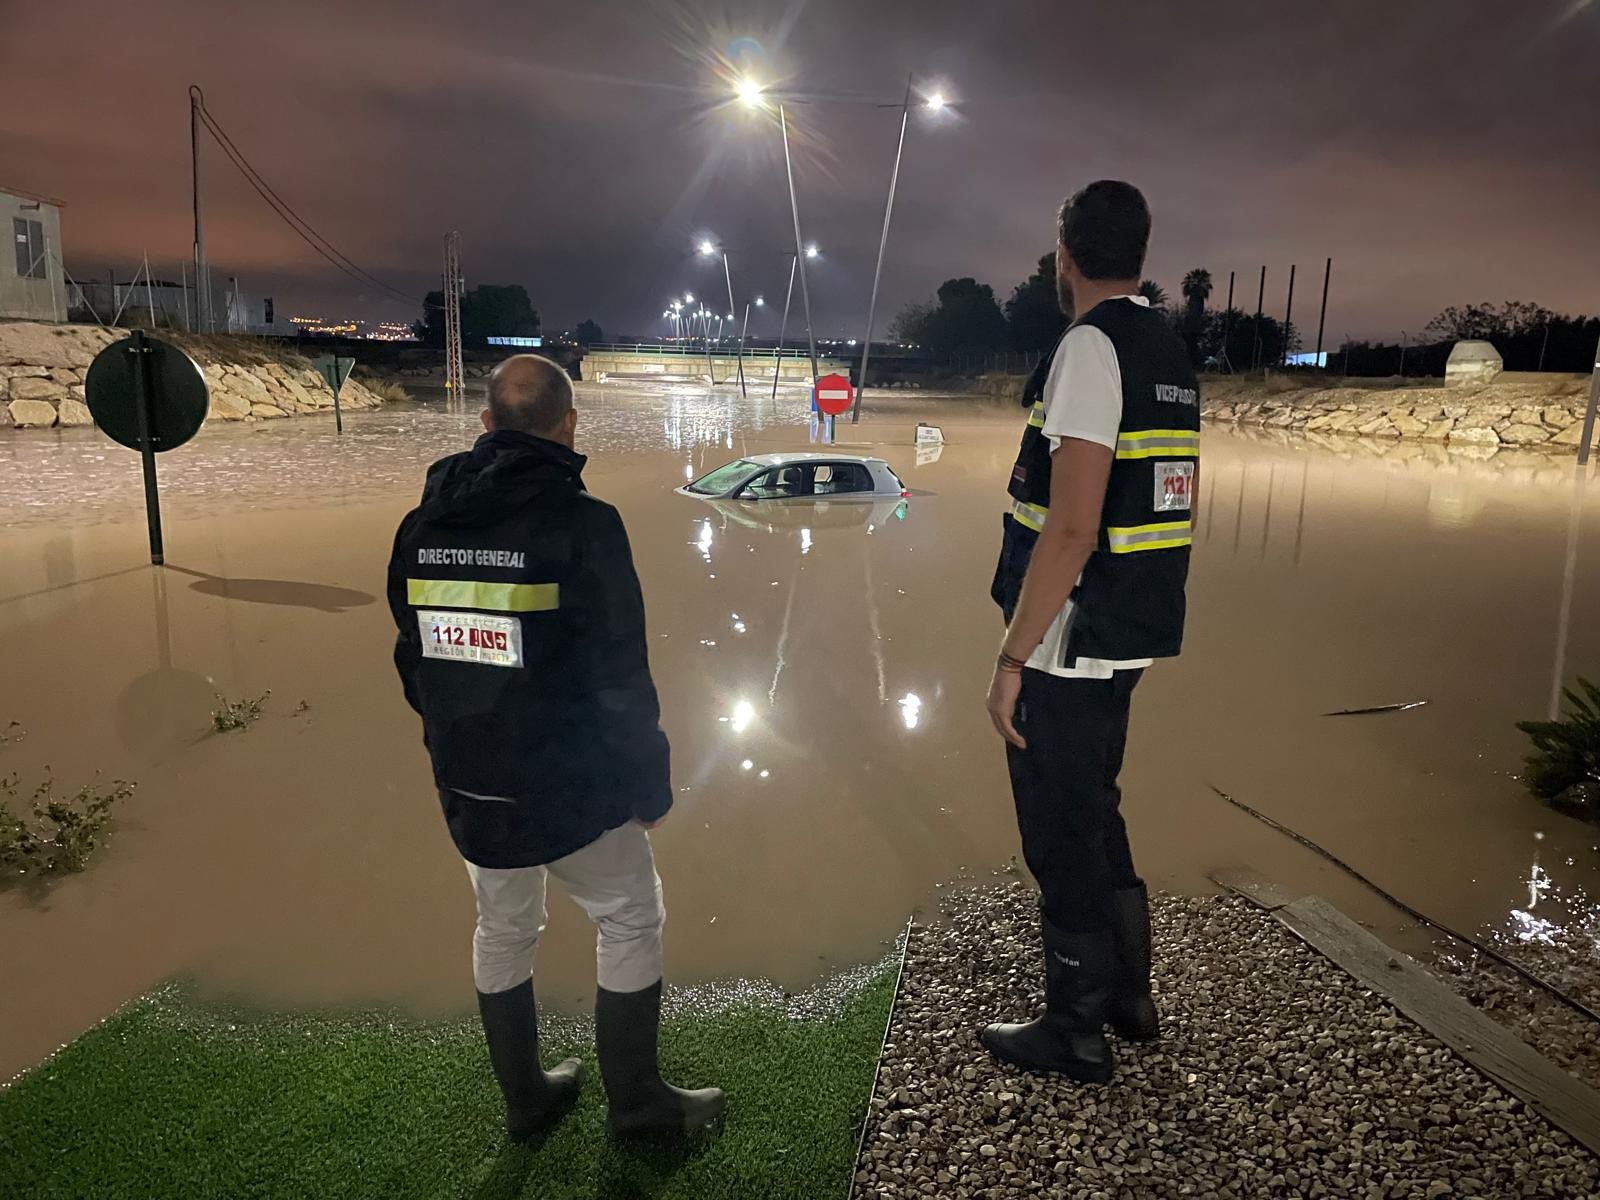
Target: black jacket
x,y
522,645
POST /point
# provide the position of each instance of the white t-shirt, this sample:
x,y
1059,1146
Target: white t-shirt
x,y
1082,399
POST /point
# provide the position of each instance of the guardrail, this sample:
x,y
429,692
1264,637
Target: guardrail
x,y
686,351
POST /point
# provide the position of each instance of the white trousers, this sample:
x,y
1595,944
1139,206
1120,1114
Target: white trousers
x,y
613,879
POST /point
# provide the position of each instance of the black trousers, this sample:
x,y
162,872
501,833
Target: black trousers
x,y
1068,802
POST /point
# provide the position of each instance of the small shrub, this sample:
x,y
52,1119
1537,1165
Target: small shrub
x,y
1566,751
236,714
59,834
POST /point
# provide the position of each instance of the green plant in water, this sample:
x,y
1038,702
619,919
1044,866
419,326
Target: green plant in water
x,y
1566,752
236,714
57,834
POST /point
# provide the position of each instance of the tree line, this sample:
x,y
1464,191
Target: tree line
x,y
966,320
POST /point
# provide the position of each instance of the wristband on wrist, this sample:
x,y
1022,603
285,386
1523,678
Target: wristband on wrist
x,y
1005,662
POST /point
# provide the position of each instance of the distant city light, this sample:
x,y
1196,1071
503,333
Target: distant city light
x,y
812,251
706,248
934,102
760,302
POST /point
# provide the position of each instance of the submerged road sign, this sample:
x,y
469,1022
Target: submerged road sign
x,y
335,370
150,396
833,394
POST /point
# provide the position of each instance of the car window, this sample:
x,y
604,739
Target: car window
x,y
838,479
781,483
717,483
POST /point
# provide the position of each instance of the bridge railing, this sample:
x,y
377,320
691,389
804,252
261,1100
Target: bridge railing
x,y
686,351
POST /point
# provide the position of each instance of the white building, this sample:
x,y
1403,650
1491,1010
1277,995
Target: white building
x,y
31,284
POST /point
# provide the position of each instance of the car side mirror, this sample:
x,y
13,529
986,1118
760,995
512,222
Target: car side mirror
x,y
746,493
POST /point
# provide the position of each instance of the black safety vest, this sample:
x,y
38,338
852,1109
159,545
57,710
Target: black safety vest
x,y
1129,603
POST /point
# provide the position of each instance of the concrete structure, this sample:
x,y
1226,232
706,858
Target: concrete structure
x,y
689,362
1472,362
31,283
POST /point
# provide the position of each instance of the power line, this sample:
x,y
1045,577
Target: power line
x,y
323,247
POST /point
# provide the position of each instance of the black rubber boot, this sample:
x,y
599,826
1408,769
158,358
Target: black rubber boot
x,y
535,1098
641,1102
1069,1037
1133,1011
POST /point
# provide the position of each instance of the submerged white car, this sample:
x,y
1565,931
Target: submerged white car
x,y
808,476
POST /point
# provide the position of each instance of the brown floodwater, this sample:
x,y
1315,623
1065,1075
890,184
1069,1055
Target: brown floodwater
x,y
821,668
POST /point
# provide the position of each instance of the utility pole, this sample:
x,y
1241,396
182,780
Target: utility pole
x,y
1288,316
1261,296
453,377
1227,326
202,289
1322,321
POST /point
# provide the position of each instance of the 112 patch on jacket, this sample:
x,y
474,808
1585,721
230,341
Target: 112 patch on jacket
x,y
470,637
1174,486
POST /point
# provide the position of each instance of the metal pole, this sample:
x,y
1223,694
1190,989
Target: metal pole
x,y
1402,354
1322,321
883,245
1588,416
1256,345
743,330
202,298
1288,316
1544,345
183,280
149,292
142,387
1227,325
705,339
783,329
799,250
733,308
1568,580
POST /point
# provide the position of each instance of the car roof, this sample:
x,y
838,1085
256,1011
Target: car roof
x,y
784,460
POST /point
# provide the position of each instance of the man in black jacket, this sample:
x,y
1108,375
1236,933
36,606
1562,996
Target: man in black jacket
x,y
522,645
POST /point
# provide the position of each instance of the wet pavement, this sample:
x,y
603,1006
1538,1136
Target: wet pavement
x,y
821,667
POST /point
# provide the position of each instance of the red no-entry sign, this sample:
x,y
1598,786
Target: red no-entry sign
x,y
833,394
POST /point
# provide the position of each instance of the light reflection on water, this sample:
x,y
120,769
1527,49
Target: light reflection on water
x,y
268,464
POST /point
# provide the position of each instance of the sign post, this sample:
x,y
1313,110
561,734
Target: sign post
x,y
149,396
831,396
335,370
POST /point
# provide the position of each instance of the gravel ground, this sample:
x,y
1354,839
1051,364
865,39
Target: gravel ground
x,y
1277,1076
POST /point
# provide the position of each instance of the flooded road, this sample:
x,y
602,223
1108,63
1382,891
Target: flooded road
x,y
821,668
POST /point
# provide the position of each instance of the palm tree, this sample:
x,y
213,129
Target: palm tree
x,y
1153,292
1196,291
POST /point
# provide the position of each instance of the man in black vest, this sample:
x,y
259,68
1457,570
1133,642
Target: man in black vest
x,y
1091,581
522,645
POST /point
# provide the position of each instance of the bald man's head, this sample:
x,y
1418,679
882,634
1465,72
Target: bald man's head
x,y
531,394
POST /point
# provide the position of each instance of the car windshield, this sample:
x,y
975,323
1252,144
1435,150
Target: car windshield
x,y
717,483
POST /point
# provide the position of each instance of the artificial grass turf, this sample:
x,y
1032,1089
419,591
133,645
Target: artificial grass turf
x,y
172,1099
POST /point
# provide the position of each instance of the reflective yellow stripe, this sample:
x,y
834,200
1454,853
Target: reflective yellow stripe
x,y
474,593
1036,415
1029,516
1159,443
1164,535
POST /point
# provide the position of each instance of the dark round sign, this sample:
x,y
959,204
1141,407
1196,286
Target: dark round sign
x,y
177,392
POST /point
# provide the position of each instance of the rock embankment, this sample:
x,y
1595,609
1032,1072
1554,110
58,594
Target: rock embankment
x,y
1525,412
42,369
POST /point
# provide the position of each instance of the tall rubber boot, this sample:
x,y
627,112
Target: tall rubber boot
x,y
535,1098
1069,1038
1133,1011
641,1102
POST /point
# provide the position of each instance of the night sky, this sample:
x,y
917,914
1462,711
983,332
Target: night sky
x,y
1442,151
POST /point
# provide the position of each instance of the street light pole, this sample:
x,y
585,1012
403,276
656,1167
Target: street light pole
x,y
883,244
727,274
799,249
783,329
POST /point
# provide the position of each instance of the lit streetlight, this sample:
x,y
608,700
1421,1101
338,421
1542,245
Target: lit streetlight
x,y
934,102
751,94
